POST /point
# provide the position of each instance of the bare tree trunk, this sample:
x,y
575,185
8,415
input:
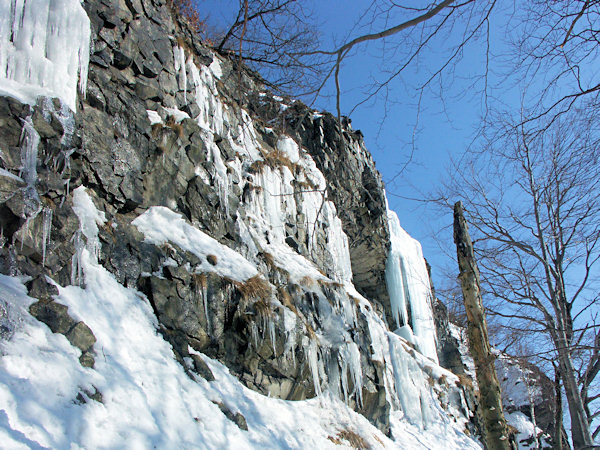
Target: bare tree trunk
x,y
580,430
558,413
527,380
496,434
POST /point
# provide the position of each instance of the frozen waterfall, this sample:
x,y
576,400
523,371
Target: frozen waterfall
x,y
408,285
44,49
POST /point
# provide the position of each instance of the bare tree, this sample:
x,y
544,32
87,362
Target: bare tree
x,y
496,434
269,36
533,200
555,49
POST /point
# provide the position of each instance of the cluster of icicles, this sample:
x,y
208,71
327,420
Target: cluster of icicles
x,y
44,48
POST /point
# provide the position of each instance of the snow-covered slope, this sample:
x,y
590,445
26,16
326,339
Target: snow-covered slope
x,y
167,233
138,396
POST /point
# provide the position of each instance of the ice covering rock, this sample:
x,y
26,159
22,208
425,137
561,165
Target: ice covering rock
x,y
44,49
231,225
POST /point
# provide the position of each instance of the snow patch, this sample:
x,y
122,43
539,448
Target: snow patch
x,y
159,225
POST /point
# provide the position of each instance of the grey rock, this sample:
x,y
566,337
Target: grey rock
x,y
236,418
202,369
81,336
8,187
41,289
87,360
54,315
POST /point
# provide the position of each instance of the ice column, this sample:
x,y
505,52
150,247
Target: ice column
x,y
44,49
408,285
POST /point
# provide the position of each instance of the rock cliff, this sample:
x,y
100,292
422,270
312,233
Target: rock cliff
x,y
255,228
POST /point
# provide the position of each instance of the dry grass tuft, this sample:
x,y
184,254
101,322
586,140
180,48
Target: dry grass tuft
x,y
330,283
157,128
200,280
269,259
306,185
286,300
443,380
257,166
173,125
356,300
275,159
254,288
310,331
465,380
355,440
263,308
307,281
378,440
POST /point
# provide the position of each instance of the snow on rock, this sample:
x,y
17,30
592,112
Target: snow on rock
x,y
416,388
160,225
147,399
521,392
408,285
44,49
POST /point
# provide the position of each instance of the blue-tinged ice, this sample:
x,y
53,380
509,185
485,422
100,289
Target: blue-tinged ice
x,y
408,285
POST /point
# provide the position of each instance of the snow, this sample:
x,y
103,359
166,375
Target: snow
x,y
408,285
159,225
44,49
177,114
153,117
147,399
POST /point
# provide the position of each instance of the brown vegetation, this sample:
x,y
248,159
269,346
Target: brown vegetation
x,y
274,159
465,380
351,437
254,288
187,10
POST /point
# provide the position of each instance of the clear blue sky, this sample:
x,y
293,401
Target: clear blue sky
x,y
396,131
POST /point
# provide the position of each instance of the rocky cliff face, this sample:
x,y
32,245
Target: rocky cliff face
x,y
256,228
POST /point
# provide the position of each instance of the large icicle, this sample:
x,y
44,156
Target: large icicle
x,y
408,285
30,140
44,49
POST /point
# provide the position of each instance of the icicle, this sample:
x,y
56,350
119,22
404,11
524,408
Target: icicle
x,y
13,270
30,139
76,267
183,73
289,324
46,231
312,355
205,300
89,219
408,285
254,334
271,327
44,49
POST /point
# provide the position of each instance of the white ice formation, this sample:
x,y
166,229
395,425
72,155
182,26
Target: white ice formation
x,y
44,49
408,285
